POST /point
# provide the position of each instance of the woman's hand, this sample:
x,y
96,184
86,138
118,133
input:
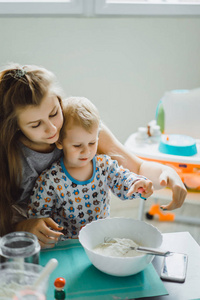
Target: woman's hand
x,y
43,228
142,186
164,176
170,178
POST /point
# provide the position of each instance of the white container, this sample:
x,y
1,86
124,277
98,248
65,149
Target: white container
x,y
141,135
155,133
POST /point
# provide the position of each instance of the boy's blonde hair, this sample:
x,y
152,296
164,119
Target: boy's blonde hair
x,y
79,111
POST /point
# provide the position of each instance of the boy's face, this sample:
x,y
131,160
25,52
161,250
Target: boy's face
x,y
79,146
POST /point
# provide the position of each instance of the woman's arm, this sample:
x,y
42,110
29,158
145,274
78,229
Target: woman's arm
x,y
160,175
108,144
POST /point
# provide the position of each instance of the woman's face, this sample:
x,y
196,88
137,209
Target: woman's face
x,y
41,124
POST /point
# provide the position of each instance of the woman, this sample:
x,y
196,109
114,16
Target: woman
x,y
31,119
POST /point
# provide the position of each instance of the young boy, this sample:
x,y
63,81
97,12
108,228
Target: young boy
x,y
76,189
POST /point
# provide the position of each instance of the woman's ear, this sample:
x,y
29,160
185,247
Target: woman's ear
x,y
59,145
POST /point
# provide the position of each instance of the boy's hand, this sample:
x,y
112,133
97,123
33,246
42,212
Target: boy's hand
x,y
142,186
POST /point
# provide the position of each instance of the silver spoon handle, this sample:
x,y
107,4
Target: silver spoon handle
x,y
153,251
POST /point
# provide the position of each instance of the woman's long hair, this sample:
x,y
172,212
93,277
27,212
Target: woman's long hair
x,y
19,86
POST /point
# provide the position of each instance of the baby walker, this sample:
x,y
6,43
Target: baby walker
x,y
173,140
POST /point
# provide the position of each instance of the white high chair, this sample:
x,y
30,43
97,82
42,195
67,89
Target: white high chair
x,y
177,113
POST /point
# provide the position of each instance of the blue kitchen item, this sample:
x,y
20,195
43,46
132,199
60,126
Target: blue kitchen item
x,y
177,144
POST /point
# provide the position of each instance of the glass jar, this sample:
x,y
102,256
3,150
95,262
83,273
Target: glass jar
x,y
17,279
29,294
19,246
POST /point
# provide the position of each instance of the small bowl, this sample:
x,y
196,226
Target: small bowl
x,y
140,232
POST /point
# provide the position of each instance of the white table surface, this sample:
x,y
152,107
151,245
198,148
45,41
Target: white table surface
x,y
181,242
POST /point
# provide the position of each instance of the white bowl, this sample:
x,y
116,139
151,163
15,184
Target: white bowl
x,y
140,232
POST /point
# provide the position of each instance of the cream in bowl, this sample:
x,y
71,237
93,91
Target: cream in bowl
x,y
118,247
141,233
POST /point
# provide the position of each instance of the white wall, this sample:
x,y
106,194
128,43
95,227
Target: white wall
x,y
124,65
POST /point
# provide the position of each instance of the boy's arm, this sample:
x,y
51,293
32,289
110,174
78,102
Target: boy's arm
x,y
160,175
125,184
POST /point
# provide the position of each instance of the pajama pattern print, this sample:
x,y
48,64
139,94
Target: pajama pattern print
x,y
71,203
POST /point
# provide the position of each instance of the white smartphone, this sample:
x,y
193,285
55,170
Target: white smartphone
x,y
174,267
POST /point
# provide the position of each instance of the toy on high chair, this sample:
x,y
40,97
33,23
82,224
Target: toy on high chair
x,y
173,139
